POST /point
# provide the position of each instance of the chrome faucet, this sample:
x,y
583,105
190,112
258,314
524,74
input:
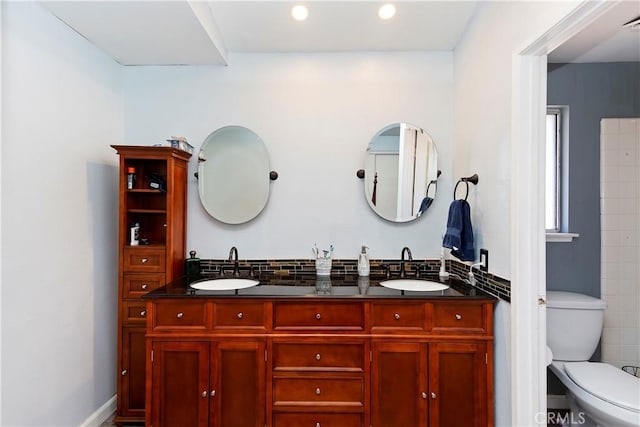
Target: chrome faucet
x,y
410,258
233,256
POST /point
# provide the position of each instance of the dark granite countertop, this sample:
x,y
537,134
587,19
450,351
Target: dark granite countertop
x,y
311,286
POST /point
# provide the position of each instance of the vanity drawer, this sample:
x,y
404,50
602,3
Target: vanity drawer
x,y
318,356
136,285
239,315
305,316
291,391
405,315
180,315
319,419
457,316
134,312
150,260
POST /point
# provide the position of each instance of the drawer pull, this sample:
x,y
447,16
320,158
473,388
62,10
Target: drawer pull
x,y
396,316
239,315
317,424
143,313
124,372
179,315
318,316
318,356
212,393
318,391
433,395
458,316
424,395
144,260
144,286
205,394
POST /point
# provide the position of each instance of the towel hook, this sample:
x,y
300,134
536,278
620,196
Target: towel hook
x,y
470,179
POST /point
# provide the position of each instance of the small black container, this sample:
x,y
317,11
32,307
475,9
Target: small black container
x,y
192,265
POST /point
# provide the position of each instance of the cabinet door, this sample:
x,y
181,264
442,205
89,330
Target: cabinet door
x,y
180,379
132,372
238,372
458,384
399,385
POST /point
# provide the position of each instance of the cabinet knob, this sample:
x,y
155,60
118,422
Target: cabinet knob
x,y
179,315
458,316
205,394
433,395
424,395
144,286
212,393
396,316
318,356
143,313
318,391
239,315
318,316
124,372
317,424
144,260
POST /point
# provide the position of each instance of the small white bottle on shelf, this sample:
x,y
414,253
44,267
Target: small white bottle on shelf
x,y
363,262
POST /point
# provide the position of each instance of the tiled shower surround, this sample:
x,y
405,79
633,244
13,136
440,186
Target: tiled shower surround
x,y
494,285
620,240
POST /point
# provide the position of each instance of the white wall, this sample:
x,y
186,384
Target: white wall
x,y
316,115
61,108
620,209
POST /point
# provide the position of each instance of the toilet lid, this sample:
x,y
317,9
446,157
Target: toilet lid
x,y
606,382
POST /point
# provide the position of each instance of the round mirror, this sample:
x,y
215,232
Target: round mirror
x,y
233,175
401,172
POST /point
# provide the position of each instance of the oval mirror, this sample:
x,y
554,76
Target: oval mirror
x,y
401,172
233,175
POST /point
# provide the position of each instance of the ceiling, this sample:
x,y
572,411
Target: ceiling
x,y
200,32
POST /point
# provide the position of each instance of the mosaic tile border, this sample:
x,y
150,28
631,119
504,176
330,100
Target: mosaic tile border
x,y
490,283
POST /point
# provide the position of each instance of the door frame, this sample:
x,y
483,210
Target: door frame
x,y
528,240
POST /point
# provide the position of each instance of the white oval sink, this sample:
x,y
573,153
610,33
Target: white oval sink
x,y
223,284
414,285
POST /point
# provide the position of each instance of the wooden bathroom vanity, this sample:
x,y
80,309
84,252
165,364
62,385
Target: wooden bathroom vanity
x,y
290,356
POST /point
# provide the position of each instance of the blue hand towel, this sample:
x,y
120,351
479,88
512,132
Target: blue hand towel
x,y
426,202
459,235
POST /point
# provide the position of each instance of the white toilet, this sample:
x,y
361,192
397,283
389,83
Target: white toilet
x,y
599,394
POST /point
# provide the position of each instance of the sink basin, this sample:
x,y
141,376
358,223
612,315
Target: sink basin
x,y
414,285
223,284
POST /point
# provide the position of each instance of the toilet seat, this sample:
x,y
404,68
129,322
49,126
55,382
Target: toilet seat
x,y
606,382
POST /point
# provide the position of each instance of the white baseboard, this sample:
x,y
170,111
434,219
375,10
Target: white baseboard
x,y
101,414
557,401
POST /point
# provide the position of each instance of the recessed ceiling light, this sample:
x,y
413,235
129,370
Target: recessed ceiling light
x,y
387,11
299,12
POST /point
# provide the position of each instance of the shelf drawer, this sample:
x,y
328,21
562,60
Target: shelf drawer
x,y
318,419
239,315
136,285
452,316
134,312
405,316
309,390
144,259
318,356
305,316
180,315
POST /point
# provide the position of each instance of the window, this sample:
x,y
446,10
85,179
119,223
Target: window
x,y
556,191
552,169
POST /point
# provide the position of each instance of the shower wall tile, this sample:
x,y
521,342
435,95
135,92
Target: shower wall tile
x,y
620,240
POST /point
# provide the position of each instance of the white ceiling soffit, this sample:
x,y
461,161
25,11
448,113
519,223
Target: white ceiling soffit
x,y
146,32
341,26
605,40
164,32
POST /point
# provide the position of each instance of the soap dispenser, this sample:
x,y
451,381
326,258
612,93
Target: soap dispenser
x,y
363,262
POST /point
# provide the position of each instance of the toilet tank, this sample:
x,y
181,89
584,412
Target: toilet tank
x,y
574,325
